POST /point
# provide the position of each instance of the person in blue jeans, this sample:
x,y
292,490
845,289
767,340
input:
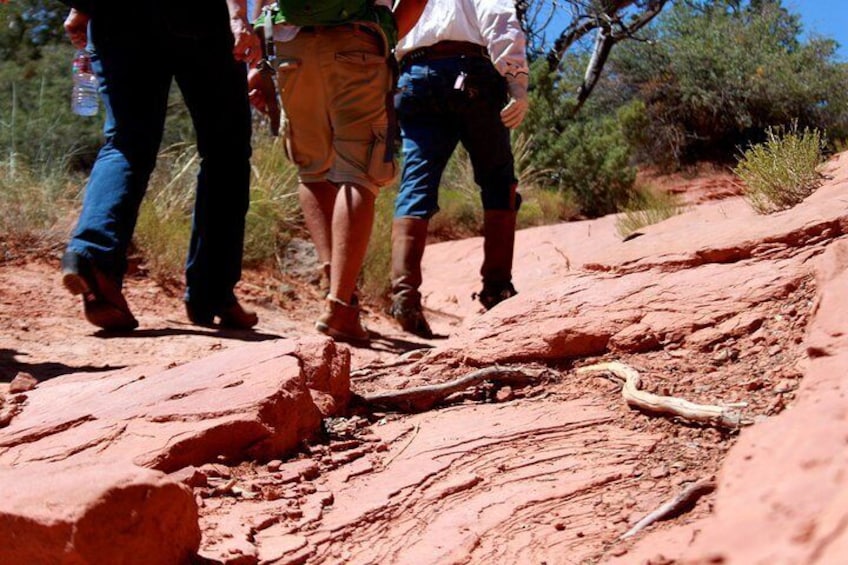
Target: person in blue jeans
x,y
463,79
137,50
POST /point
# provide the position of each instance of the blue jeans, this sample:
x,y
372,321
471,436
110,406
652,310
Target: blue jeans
x,y
136,58
434,115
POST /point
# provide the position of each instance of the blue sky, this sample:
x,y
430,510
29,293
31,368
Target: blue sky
x,y
824,17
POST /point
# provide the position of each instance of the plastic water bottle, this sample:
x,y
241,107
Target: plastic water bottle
x,y
84,97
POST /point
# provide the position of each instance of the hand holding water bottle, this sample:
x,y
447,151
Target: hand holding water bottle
x,y
76,28
84,96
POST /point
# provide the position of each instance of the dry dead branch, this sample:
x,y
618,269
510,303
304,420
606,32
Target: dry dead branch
x,y
376,369
708,414
422,398
674,507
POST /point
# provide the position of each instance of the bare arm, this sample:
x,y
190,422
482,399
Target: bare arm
x,y
407,13
246,45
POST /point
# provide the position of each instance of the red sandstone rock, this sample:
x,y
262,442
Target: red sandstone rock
x,y
783,491
326,369
23,382
72,450
109,513
710,305
247,402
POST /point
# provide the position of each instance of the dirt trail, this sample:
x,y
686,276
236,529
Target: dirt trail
x,y
554,472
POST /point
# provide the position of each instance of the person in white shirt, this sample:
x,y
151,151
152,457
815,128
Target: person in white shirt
x,y
463,78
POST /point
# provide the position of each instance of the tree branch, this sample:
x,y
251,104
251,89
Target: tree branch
x,y
423,398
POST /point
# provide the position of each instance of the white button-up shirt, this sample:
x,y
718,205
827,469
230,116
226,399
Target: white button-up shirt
x,y
490,23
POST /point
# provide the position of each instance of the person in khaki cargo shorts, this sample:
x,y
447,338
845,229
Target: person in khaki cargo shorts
x,y
335,85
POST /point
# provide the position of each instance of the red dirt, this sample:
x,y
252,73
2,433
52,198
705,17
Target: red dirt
x,y
553,472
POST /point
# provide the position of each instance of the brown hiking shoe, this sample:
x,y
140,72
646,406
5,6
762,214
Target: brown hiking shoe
x,y
341,321
235,316
232,316
103,303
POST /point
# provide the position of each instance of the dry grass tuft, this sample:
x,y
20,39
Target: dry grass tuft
x,y
781,172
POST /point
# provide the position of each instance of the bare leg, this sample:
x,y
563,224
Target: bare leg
x,y
353,218
317,200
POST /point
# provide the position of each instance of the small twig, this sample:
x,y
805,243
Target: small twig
x,y
224,489
407,444
422,398
674,507
710,414
405,359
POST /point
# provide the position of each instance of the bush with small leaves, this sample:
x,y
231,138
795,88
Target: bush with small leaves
x,y
781,172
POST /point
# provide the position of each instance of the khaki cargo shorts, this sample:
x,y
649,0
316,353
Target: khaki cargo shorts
x,y
335,84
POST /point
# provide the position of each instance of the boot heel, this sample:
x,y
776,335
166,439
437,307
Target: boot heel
x,y
73,274
75,284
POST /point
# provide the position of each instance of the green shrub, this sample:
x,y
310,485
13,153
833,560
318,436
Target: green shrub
x,y
36,206
716,74
162,237
593,163
164,221
164,225
586,157
460,208
541,207
781,172
647,207
274,215
37,126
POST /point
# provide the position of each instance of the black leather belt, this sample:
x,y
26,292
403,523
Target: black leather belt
x,y
445,50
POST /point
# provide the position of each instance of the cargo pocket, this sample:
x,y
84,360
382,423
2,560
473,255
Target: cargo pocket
x,y
286,75
365,70
382,167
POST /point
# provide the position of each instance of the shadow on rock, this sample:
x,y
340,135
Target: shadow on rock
x,y
10,367
392,344
225,333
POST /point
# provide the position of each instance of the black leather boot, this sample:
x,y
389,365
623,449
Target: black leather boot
x,y
498,246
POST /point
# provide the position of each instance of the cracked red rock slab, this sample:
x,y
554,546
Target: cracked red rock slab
x,y
782,490
710,306
93,430
452,485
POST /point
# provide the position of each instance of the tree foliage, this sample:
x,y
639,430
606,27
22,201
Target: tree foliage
x,y
585,157
702,80
37,127
714,76
27,26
